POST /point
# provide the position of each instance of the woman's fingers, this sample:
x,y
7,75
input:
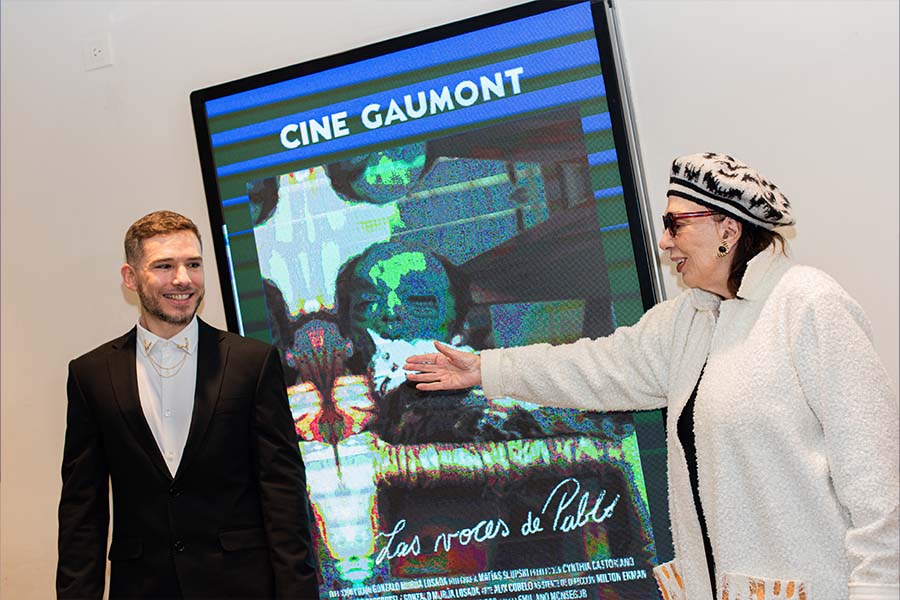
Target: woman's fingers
x,y
451,354
428,381
446,350
422,360
430,387
423,376
413,367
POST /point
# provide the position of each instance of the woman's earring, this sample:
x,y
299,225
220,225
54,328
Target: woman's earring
x,y
723,249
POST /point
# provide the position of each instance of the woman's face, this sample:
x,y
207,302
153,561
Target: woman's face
x,y
695,244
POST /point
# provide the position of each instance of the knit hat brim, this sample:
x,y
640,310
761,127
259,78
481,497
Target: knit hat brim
x,y
727,185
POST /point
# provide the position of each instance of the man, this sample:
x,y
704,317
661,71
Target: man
x,y
192,427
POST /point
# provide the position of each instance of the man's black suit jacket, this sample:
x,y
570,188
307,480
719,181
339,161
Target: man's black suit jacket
x,y
232,523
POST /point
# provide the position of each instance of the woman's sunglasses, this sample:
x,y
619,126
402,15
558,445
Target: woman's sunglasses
x,y
670,220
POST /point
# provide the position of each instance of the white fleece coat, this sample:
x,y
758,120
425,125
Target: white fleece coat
x,y
796,429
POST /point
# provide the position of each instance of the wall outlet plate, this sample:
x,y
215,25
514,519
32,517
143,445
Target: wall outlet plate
x,y
97,52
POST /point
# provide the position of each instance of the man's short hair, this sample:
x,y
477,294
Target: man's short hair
x,y
161,222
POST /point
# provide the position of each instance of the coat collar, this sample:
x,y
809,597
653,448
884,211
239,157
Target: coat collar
x,y
704,301
763,271
211,364
123,375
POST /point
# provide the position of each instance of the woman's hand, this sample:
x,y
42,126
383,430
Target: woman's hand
x,y
448,369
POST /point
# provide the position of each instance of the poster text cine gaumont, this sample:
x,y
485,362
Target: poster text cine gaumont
x,y
422,103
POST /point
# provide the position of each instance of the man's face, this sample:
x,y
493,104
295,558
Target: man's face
x,y
402,294
168,279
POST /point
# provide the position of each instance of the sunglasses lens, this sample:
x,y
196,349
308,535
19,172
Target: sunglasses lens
x,y
669,224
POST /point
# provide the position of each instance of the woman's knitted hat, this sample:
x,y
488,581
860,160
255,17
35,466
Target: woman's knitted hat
x,y
727,185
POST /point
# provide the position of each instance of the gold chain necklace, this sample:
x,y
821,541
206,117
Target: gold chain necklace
x,y
162,370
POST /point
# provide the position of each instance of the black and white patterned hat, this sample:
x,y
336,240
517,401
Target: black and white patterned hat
x,y
727,185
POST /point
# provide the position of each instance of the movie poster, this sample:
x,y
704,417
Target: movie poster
x,y
466,191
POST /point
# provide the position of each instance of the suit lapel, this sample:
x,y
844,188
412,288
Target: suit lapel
x,y
123,374
211,360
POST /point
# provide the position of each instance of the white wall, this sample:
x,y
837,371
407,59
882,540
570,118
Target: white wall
x,y
807,91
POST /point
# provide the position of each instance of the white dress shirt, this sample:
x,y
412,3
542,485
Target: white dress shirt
x,y
167,378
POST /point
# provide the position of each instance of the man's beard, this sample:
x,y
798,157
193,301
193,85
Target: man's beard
x,y
151,306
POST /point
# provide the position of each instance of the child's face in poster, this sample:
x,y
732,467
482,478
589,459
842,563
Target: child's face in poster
x,y
402,294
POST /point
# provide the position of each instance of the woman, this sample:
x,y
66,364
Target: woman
x,y
782,446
